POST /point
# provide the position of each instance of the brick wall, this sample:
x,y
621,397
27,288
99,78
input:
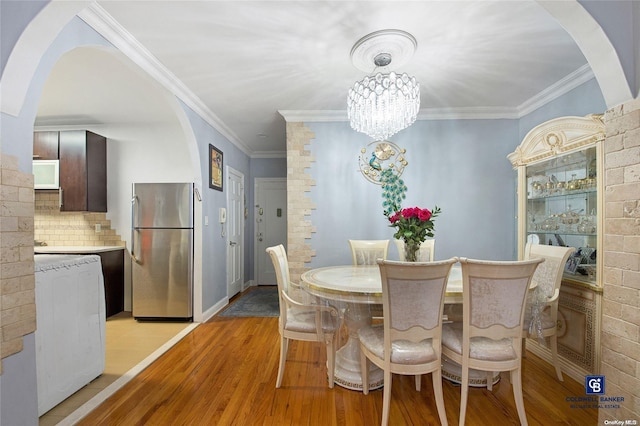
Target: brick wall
x,y
299,205
621,304
57,228
17,281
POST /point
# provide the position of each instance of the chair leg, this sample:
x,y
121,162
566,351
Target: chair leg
x,y
284,346
331,359
554,355
436,376
364,372
516,382
418,379
464,394
386,398
489,381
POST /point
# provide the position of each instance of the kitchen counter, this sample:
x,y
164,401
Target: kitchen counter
x,y
74,249
112,260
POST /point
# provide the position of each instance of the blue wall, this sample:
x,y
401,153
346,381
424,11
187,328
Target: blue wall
x,y
459,165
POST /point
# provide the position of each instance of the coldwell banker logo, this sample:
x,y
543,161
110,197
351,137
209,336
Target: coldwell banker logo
x,y
594,385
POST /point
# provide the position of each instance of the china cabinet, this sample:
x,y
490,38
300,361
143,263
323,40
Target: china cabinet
x,y
560,202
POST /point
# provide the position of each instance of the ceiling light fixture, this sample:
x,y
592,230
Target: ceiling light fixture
x,y
385,103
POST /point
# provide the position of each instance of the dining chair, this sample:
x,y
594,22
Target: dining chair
x,y
425,254
301,321
489,338
367,252
541,314
408,342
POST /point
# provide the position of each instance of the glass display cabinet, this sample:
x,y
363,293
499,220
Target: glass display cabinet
x,y
560,202
562,209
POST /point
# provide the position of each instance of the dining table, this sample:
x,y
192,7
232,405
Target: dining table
x,y
357,289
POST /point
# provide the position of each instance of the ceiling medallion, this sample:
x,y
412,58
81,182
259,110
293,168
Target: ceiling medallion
x,y
385,103
381,155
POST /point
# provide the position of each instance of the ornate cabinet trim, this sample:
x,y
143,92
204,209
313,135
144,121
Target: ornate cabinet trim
x,y
558,136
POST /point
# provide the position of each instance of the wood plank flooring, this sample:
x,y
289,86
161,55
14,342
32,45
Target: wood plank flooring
x,y
224,373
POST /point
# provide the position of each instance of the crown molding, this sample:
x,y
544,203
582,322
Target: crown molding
x,y
559,88
314,115
468,113
563,86
104,24
269,154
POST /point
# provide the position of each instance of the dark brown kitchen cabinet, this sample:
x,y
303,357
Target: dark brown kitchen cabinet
x,y
83,171
113,273
45,145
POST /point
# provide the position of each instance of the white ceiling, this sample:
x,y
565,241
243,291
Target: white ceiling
x,y
247,60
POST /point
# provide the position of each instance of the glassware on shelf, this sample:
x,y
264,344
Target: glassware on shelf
x,y
550,224
573,184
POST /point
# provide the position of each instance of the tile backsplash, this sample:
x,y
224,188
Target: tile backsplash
x,y
55,228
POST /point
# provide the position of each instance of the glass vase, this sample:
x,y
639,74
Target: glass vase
x,y
411,249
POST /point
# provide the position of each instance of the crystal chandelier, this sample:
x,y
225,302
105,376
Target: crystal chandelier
x,y
385,103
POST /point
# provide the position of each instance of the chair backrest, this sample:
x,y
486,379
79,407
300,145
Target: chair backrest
x,y
425,254
367,252
548,275
279,259
413,299
494,296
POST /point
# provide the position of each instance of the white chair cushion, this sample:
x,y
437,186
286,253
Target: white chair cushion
x,y
482,348
303,319
402,351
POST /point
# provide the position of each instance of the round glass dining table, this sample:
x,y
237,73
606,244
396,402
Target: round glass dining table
x,y
359,287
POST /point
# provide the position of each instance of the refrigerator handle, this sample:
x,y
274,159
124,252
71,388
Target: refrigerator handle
x,y
134,203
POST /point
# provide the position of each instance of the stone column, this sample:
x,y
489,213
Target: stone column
x,y
621,296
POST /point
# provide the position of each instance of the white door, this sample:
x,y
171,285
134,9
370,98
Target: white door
x,y
271,225
235,231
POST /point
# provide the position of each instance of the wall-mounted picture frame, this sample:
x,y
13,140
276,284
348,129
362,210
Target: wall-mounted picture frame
x,y
215,168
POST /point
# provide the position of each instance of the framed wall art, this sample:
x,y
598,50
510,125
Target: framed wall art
x,y
215,168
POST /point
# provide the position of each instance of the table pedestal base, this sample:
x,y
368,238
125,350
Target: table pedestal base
x,y
452,371
347,372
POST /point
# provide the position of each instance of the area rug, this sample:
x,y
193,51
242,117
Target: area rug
x,y
258,302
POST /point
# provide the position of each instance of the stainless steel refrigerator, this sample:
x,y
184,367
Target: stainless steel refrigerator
x,y
162,251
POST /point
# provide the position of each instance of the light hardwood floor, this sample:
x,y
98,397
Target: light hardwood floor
x,y
128,343
224,373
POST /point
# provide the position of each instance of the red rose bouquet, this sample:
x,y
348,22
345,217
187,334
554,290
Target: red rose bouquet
x,y
413,226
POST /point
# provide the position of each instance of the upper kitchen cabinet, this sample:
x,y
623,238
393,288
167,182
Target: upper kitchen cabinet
x,y
83,171
45,145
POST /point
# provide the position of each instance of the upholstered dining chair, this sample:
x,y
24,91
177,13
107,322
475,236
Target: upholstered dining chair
x,y
301,321
541,315
367,252
408,342
425,254
489,338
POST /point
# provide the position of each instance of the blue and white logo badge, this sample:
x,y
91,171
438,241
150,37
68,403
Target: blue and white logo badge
x,y
594,385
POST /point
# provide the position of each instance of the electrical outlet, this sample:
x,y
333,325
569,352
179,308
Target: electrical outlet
x,y
98,227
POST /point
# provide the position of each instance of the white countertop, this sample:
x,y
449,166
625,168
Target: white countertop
x,y
74,249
